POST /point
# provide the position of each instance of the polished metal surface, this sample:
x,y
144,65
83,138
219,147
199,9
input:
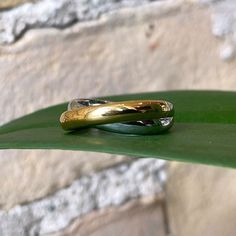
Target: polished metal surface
x,y
137,117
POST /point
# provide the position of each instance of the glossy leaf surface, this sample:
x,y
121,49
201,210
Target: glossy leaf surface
x,y
204,131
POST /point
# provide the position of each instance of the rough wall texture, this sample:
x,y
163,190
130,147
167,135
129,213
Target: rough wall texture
x,y
156,46
112,187
58,14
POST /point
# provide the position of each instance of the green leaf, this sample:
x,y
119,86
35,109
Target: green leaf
x,y
204,131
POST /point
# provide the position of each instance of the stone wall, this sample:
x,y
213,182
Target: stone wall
x,y
53,51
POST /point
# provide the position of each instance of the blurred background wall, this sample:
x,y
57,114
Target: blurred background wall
x,y
54,51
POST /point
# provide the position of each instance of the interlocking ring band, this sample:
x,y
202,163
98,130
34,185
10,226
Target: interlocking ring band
x,y
130,117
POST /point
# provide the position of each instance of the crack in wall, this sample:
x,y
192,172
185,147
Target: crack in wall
x,y
62,14
111,187
58,14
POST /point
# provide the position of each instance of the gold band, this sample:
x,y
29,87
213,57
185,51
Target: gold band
x,y
115,112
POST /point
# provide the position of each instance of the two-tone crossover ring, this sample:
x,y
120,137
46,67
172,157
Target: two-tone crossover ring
x,y
128,117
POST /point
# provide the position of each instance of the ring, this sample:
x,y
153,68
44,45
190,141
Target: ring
x,y
128,117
